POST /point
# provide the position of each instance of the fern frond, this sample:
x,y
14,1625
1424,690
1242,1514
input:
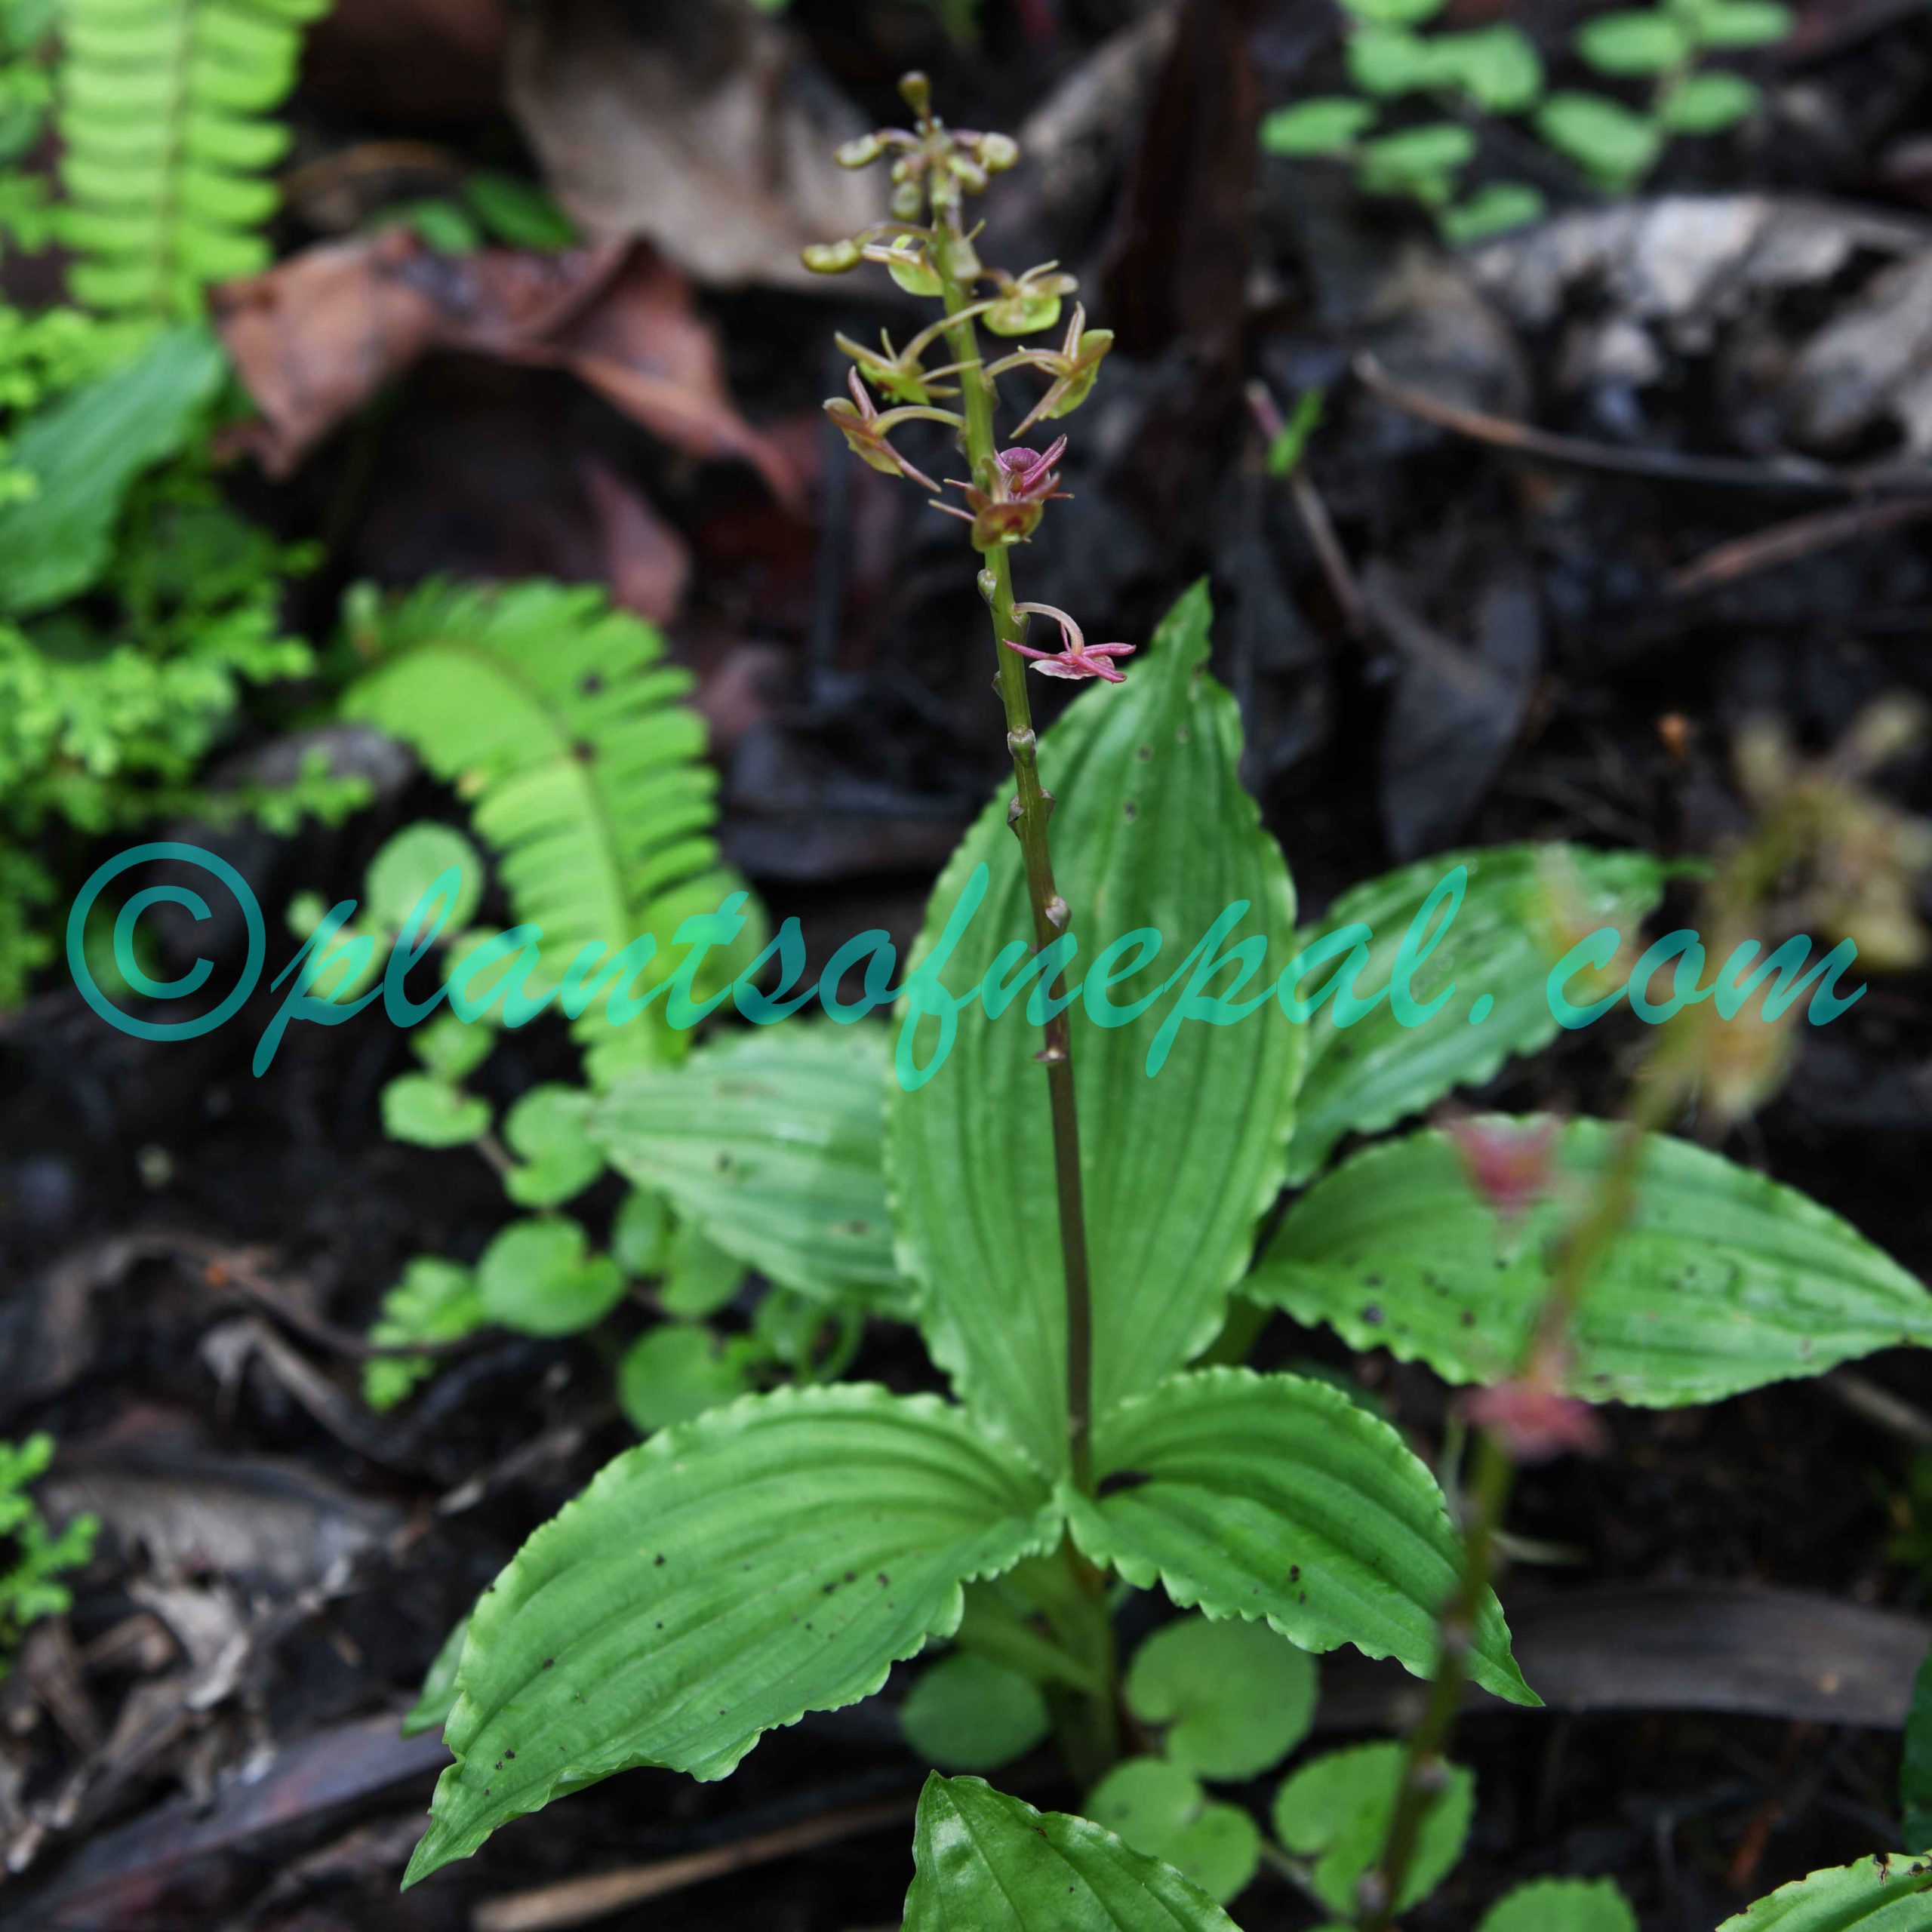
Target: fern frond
x,y
558,719
167,127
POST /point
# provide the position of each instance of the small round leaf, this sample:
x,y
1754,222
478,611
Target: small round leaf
x,y
1336,1810
1562,1905
1708,103
450,1047
699,1276
1498,67
1158,1808
641,1232
1736,24
546,1128
1495,209
428,1112
968,1713
1631,43
402,876
674,1373
1326,126
1236,1698
1388,61
1610,142
536,1276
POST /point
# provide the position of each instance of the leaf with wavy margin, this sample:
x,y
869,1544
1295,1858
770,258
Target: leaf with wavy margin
x,y
1522,908
987,1863
1887,1893
1152,829
1278,1496
1724,1280
770,1141
770,1558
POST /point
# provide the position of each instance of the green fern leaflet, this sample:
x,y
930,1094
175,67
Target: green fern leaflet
x,y
558,720
167,132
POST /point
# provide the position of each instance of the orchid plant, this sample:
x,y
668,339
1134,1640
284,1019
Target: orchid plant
x,y
1084,1270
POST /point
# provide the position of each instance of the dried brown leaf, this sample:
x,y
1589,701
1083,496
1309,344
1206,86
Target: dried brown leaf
x,y
705,128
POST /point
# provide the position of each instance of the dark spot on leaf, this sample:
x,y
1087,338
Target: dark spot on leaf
x,y
1372,1314
1145,754
590,683
584,752
549,1663
1130,810
1124,1479
660,1563
1294,1572
509,1754
1469,1318
1371,1281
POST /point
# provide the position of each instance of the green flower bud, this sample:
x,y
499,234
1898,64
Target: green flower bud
x,y
860,153
967,173
916,93
961,262
832,258
908,201
997,152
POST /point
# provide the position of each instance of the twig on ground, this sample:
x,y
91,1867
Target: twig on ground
x,y
1525,439
578,1901
1802,537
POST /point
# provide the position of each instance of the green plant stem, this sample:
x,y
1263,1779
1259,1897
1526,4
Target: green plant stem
x,y
1425,1768
1032,808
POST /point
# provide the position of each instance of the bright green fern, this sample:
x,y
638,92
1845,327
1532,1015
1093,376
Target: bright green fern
x,y
166,117
31,1555
558,719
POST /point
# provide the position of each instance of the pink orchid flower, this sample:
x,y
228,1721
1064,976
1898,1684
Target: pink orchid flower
x,y
1076,658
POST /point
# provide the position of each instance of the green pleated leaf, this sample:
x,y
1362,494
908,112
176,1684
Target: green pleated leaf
x,y
771,1558
432,1709
1722,1281
84,452
1523,907
987,1863
1277,1496
770,1141
1887,1893
1152,830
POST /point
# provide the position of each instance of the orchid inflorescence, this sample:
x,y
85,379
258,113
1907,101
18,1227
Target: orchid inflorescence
x,y
929,251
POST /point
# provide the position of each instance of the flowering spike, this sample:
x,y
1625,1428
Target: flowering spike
x,y
1510,1166
1535,1422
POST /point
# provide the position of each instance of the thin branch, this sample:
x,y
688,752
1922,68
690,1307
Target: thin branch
x,y
1525,439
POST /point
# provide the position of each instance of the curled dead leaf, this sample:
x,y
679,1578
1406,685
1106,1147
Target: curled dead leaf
x,y
318,334
705,128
